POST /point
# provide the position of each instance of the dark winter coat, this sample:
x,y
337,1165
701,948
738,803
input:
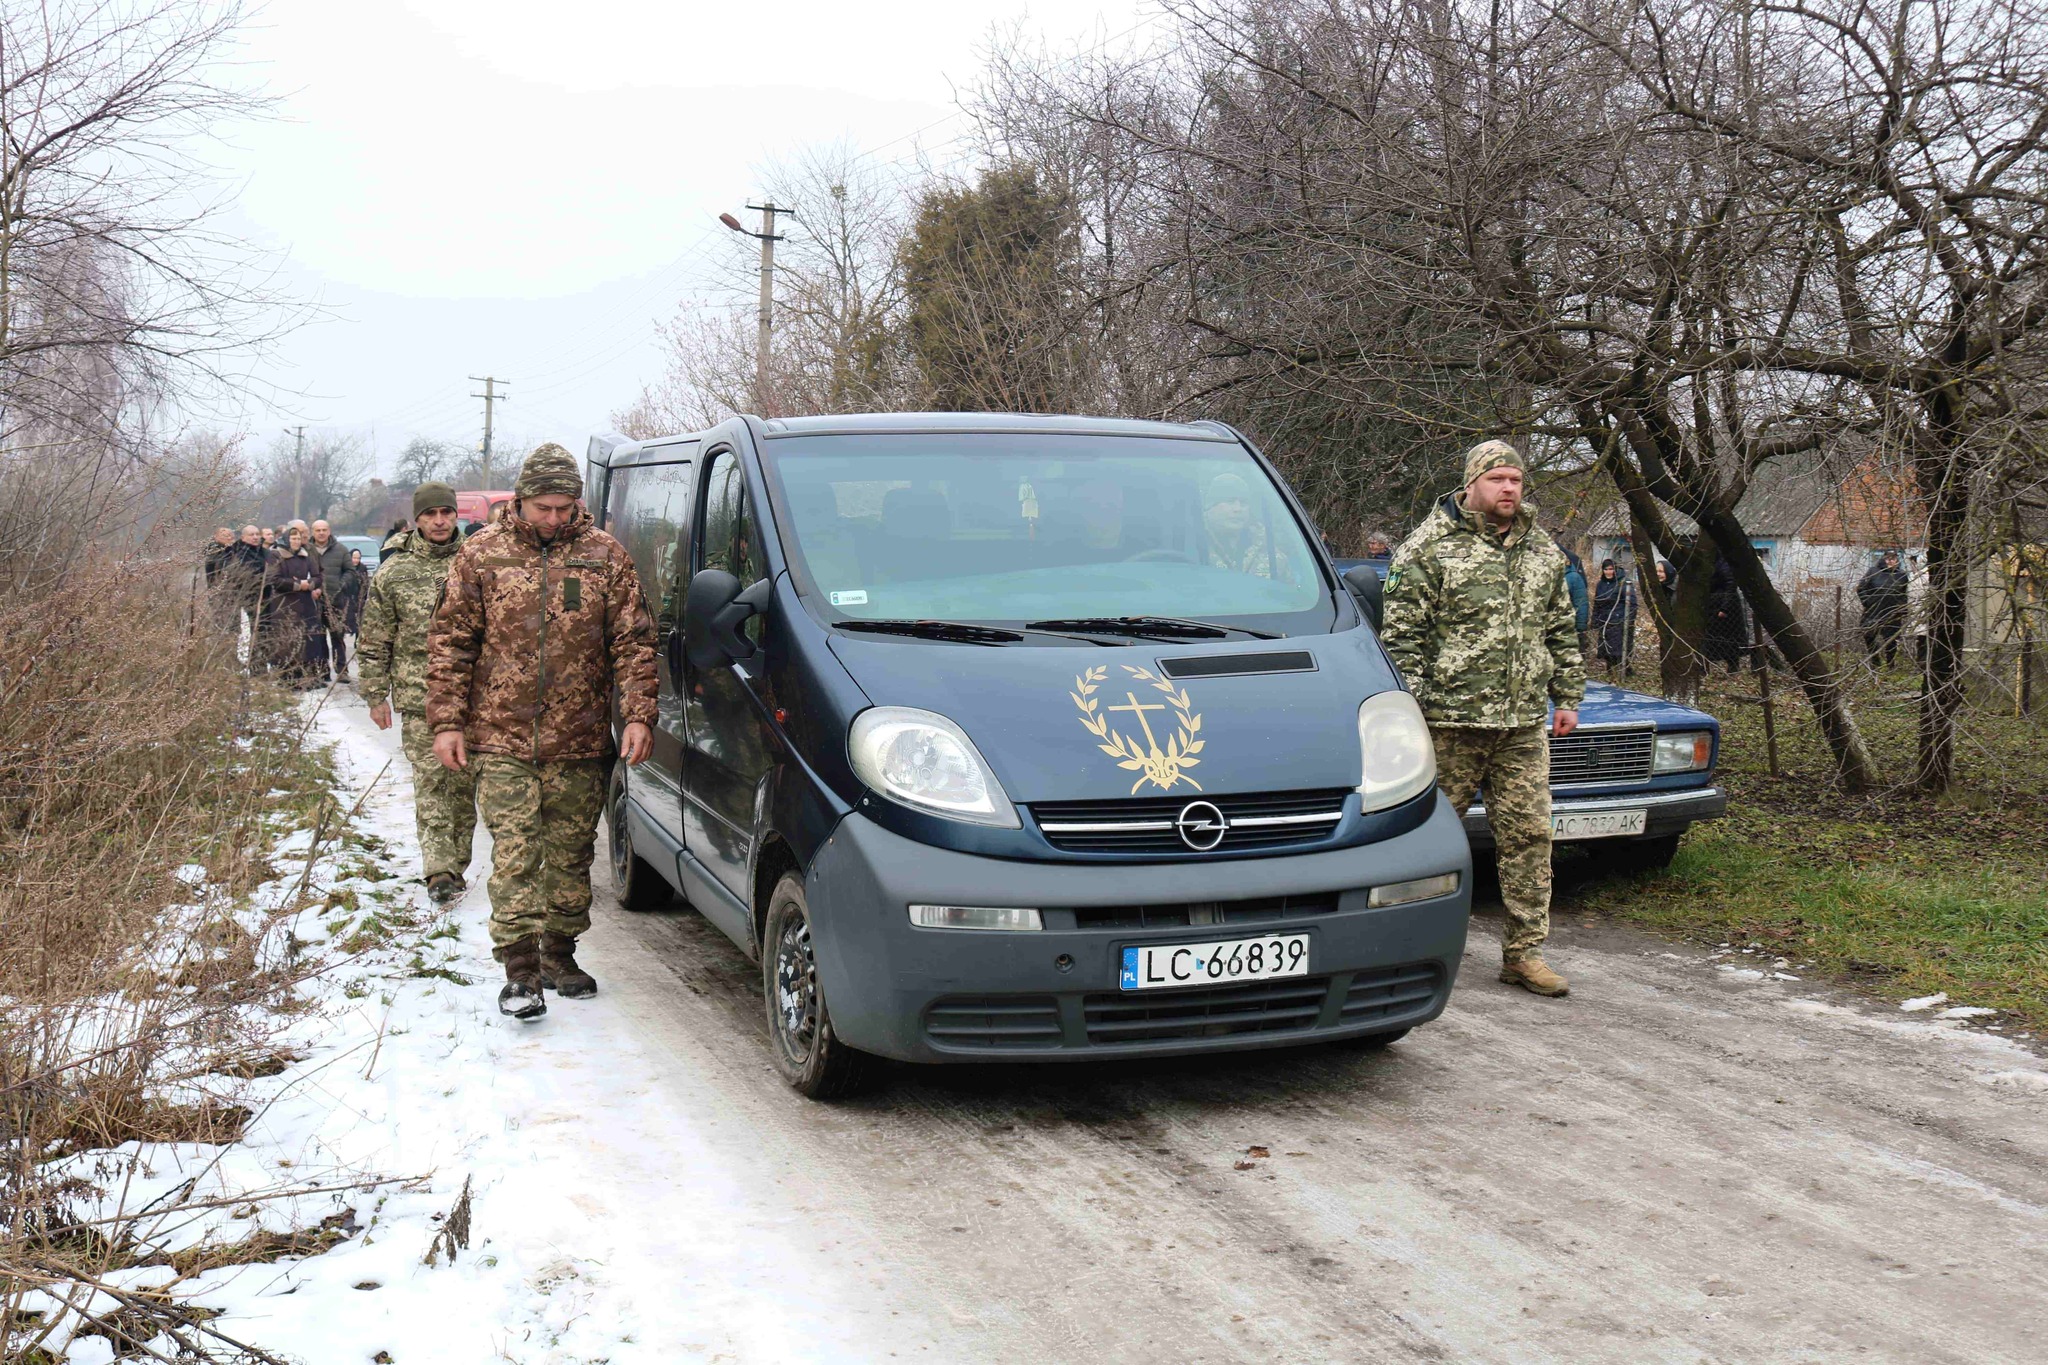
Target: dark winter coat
x,y
295,614
1575,584
1883,593
1727,622
346,599
1614,616
237,575
333,567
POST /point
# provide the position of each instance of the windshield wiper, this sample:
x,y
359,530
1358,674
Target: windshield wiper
x,y
963,632
1150,627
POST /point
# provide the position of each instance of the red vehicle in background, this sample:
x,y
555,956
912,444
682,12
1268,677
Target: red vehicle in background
x,y
475,506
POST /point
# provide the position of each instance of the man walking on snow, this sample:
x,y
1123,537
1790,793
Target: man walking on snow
x,y
391,658
541,617
1481,624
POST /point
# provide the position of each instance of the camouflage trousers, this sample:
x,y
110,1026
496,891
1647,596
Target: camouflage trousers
x,y
1514,767
443,802
543,818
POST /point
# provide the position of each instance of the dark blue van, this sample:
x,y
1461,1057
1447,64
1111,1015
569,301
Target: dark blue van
x,y
1024,738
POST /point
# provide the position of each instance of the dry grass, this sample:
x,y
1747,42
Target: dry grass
x,y
1892,893
142,777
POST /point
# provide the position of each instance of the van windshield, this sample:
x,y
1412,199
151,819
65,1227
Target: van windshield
x,y
1016,527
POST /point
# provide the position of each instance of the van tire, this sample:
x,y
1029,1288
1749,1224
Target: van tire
x,y
639,886
801,1041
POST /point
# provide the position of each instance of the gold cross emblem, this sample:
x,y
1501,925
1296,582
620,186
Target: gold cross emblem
x,y
1162,767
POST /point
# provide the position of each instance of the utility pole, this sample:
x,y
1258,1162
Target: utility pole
x,y
490,395
298,468
767,237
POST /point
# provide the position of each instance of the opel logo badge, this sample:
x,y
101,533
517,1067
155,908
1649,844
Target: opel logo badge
x,y
1201,825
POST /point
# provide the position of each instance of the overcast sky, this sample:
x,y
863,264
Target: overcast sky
x,y
525,190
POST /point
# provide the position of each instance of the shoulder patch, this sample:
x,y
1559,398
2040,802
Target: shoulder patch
x,y
1393,579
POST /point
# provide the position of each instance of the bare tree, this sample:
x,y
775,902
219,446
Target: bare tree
x,y
838,301
112,276
310,482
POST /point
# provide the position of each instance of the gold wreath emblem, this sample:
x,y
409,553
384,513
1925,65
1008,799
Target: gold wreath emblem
x,y
1161,767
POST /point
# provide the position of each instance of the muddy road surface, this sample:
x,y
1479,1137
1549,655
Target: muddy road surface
x,y
1681,1162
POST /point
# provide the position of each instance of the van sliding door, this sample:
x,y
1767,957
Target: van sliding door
x,y
649,512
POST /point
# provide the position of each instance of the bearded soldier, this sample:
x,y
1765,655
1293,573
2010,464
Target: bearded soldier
x,y
541,618
1480,621
391,661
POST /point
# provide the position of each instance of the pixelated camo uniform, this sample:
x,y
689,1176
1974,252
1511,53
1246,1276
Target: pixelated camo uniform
x,y
528,643
1482,627
391,664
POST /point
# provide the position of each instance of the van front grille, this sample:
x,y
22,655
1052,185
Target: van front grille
x,y
1149,825
1256,911
1255,1007
1602,757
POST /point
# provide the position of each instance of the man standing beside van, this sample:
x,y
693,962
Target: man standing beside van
x,y
541,617
1481,624
391,659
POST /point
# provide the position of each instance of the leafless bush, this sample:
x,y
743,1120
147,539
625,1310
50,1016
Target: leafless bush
x,y
141,776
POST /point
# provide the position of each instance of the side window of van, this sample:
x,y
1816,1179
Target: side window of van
x,y
650,505
731,540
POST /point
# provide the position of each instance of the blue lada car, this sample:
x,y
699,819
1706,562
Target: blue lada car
x,y
1634,775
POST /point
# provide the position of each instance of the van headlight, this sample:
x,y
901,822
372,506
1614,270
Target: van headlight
x,y
927,762
1399,762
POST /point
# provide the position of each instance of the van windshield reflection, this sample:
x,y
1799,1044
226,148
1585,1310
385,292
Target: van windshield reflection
x,y
1053,529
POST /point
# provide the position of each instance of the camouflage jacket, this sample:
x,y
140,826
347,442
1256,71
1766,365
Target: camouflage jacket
x,y
1482,626
391,643
530,638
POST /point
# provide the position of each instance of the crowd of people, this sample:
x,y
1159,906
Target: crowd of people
x,y
296,595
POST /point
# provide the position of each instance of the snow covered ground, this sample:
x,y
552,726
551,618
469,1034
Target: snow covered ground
x,y
602,1229
1747,1164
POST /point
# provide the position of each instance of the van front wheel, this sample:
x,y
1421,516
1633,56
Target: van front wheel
x,y
638,885
806,1051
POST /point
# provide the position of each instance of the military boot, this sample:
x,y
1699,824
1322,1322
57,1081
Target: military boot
x,y
558,969
1533,974
521,996
444,887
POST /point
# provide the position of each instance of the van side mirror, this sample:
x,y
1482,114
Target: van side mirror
x,y
714,612
1368,591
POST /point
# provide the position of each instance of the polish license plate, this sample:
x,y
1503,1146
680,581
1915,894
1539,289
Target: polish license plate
x,y
1162,966
1598,824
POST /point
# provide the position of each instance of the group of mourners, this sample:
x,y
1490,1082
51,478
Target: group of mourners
x,y
298,595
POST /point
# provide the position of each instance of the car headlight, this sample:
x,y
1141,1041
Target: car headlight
x,y
1399,762
926,761
1684,752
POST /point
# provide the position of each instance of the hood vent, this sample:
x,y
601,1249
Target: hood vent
x,y
1238,665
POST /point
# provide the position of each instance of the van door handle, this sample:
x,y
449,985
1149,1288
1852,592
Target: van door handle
x,y
672,647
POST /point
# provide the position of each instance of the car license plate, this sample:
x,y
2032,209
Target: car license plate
x,y
1162,966
1597,824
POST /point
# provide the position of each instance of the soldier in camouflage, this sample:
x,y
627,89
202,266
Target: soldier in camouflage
x,y
1480,621
391,664
541,618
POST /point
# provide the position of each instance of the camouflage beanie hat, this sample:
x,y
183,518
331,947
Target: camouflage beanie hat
x,y
550,469
1491,455
429,496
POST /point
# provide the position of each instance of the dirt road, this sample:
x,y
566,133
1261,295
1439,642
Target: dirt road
x,y
1679,1163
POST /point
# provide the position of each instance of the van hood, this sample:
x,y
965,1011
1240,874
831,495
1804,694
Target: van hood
x,y
1046,718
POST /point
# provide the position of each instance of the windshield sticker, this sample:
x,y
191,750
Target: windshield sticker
x,y
1161,767
853,597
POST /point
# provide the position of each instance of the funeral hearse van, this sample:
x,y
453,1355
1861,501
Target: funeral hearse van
x,y
1004,738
